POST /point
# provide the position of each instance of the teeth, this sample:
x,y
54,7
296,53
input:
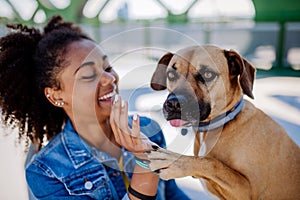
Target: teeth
x,y
107,96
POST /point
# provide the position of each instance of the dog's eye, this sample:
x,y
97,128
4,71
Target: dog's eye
x,y
172,75
209,76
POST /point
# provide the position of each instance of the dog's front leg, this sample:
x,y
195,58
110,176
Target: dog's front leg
x,y
226,183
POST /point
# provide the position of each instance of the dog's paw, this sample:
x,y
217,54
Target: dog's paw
x,y
163,174
161,158
167,164
170,172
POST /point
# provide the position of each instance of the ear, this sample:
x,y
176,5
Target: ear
x,y
53,96
158,80
239,66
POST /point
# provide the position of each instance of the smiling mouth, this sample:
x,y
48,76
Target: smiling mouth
x,y
107,97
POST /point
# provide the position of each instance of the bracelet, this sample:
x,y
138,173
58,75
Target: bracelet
x,y
142,163
139,195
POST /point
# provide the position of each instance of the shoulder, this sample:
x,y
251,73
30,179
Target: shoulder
x,y
66,164
54,143
40,161
38,168
64,153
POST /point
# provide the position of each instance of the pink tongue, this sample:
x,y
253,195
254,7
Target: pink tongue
x,y
177,122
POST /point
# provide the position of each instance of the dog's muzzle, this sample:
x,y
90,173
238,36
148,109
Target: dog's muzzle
x,y
186,108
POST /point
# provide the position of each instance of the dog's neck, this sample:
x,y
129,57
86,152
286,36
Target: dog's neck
x,y
222,119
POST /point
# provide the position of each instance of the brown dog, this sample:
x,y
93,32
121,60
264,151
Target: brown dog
x,y
244,153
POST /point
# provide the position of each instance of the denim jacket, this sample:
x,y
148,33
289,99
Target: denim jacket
x,y
68,168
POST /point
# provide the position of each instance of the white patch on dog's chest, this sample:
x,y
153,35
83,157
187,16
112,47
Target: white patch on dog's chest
x,y
202,150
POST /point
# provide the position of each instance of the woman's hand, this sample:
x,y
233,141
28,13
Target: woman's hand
x,y
143,180
131,139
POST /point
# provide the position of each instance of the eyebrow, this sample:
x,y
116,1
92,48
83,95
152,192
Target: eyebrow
x,y
88,64
83,65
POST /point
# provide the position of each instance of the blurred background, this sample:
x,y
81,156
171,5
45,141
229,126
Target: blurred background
x,y
135,34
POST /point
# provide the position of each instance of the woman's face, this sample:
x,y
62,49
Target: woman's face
x,y
88,83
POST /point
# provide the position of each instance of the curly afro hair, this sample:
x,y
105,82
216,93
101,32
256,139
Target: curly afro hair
x,y
30,61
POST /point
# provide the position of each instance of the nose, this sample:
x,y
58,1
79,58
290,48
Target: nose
x,y
172,103
107,78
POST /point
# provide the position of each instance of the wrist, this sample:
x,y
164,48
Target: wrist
x,y
142,163
144,181
139,195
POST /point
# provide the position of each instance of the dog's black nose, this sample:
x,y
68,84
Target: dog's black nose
x,y
172,103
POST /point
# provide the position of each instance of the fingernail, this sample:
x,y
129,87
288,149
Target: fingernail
x,y
155,147
123,104
135,116
116,99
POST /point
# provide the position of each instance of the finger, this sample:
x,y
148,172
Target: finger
x,y
125,131
124,118
135,132
116,109
115,120
149,145
115,129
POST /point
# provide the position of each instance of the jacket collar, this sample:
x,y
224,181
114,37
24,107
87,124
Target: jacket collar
x,y
74,146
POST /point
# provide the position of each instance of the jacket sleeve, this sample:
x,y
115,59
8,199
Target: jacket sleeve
x,y
173,192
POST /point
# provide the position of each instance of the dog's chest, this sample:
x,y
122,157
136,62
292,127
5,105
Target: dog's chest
x,y
202,150
200,146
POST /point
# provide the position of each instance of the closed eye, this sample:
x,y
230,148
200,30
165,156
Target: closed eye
x,y
86,71
91,76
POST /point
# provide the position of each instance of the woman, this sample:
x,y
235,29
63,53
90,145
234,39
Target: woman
x,y
57,87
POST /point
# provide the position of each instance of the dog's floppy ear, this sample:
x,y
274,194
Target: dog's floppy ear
x,y
159,78
239,66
